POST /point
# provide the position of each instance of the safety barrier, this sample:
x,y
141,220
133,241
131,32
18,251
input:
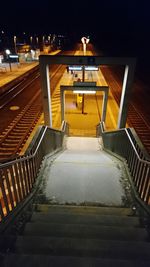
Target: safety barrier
x,y
125,143
18,177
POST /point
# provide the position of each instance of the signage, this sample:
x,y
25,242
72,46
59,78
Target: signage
x,y
80,68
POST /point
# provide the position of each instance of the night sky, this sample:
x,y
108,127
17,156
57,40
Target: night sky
x,y
121,27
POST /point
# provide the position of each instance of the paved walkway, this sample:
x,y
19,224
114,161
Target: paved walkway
x,y
84,174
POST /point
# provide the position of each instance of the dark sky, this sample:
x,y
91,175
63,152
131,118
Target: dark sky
x,y
59,15
107,21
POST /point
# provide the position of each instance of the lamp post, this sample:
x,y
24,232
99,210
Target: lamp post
x,y
84,41
31,39
15,44
37,41
8,53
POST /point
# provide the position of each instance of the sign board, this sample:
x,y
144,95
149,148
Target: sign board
x,y
86,84
13,58
80,68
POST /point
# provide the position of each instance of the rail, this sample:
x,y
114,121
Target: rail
x,y
126,144
18,178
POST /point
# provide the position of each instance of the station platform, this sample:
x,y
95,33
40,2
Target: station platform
x,y
8,75
83,121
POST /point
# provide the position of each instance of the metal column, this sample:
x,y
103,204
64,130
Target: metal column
x,y
45,84
104,105
125,96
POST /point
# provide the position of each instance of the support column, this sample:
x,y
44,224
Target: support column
x,y
126,90
83,73
104,105
62,101
45,84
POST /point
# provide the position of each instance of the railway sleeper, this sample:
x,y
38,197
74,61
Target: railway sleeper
x,y
8,145
26,121
2,154
11,137
7,149
21,126
18,130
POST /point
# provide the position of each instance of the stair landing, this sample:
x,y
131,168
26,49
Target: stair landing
x,y
84,174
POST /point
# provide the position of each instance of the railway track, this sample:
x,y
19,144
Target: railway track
x,y
15,135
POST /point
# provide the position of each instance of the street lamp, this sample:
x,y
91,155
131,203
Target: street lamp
x,y
37,41
85,41
7,51
31,39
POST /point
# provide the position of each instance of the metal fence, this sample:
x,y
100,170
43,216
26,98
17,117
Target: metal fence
x,y
125,143
18,177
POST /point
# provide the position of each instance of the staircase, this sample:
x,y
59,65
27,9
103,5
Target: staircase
x,y
81,236
99,230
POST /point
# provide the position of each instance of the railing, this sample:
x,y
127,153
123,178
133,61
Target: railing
x,y
18,177
126,144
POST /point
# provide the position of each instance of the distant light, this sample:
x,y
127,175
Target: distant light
x,y
84,92
7,51
91,68
75,68
87,68
85,40
13,56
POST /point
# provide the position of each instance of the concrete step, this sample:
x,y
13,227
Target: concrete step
x,y
53,246
50,261
113,220
86,231
120,211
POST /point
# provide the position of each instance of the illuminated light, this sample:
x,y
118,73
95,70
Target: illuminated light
x,y
13,56
91,68
87,68
84,92
75,67
7,51
13,108
85,40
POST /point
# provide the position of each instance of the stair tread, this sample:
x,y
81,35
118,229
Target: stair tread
x,y
85,219
84,230
83,247
84,209
46,261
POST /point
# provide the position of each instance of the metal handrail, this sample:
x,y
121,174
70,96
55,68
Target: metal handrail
x,y
22,158
124,129
141,160
129,147
18,177
29,156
